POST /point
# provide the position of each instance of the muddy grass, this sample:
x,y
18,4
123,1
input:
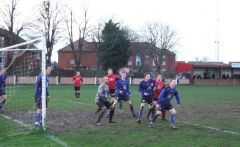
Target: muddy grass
x,y
75,119
61,121
228,111
58,120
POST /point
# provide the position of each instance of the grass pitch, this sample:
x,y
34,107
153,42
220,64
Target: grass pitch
x,y
73,122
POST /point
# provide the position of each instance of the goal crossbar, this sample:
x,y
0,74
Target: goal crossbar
x,y
19,49
21,44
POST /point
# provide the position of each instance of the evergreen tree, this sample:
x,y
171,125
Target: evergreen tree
x,y
114,48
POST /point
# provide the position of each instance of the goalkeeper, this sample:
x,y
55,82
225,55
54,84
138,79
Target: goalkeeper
x,y
102,101
3,95
38,97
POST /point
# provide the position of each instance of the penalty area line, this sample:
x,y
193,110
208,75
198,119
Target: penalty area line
x,y
210,128
17,121
52,137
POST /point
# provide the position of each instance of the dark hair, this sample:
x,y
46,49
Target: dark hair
x,y
145,74
158,75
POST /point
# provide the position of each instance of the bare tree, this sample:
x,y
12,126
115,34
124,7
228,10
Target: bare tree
x,y
49,25
9,17
82,25
96,36
69,24
161,39
131,34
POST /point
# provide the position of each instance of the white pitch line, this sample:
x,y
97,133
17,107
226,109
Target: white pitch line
x,y
210,128
53,138
17,121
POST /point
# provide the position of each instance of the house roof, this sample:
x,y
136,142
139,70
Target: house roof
x,y
209,64
135,47
8,35
87,46
16,39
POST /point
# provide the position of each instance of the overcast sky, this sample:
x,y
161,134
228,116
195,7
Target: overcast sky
x,y
195,22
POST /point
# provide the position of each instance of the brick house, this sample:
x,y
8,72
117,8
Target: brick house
x,y
140,59
8,39
89,57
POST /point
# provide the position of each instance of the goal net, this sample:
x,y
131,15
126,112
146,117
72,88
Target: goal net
x,y
19,66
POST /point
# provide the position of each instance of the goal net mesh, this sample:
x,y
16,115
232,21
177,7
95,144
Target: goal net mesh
x,y
17,89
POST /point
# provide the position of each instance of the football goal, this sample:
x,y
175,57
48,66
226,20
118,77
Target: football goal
x,y
20,64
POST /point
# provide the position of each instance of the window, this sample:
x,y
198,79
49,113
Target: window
x,y
163,70
72,62
138,60
30,64
1,62
38,56
164,57
2,42
163,63
153,63
129,62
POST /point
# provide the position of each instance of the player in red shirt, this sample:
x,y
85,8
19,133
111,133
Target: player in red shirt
x,y
78,81
159,85
111,82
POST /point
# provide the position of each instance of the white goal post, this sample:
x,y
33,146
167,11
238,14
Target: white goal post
x,y
43,68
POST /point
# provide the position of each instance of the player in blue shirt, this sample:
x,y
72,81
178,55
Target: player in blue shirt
x,y
3,95
164,103
38,97
146,89
123,91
